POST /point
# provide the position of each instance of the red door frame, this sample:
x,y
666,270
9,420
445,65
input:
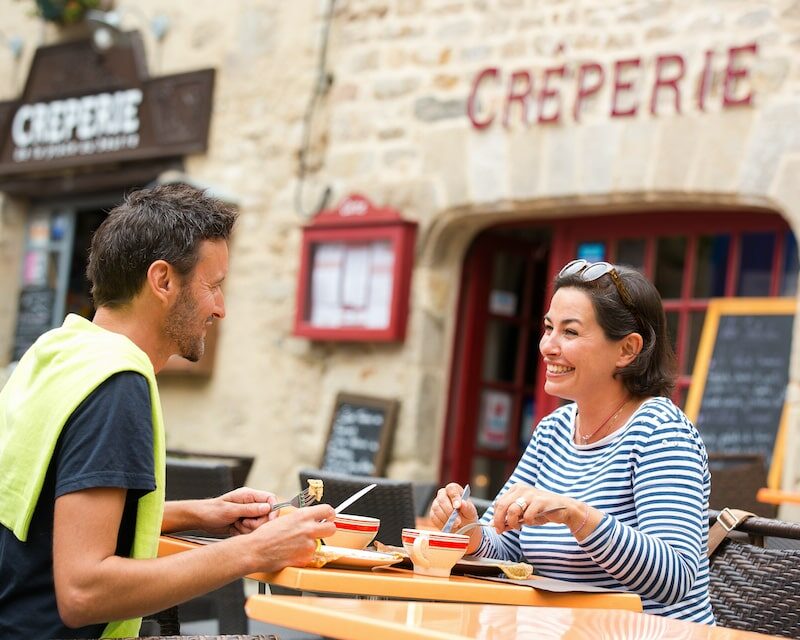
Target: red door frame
x,y
567,233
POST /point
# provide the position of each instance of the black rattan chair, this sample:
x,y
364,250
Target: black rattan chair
x,y
424,493
391,500
191,479
755,579
735,480
240,465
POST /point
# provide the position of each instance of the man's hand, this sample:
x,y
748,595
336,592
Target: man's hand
x,y
291,540
239,511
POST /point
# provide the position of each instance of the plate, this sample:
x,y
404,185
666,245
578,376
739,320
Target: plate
x,y
467,564
362,559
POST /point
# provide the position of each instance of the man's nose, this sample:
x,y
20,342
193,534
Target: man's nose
x,y
219,305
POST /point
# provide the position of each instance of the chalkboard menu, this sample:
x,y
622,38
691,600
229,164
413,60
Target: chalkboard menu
x,y
360,435
34,317
741,373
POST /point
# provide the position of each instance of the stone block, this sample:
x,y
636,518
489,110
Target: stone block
x,y
677,151
525,165
785,188
487,165
443,153
391,87
460,30
560,175
636,155
775,133
755,19
350,163
431,109
598,147
719,150
401,158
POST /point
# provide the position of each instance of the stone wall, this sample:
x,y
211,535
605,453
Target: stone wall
x,y
392,126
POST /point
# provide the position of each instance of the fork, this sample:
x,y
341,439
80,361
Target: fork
x,y
472,525
303,499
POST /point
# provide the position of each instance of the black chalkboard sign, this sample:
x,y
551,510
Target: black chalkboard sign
x,y
360,435
741,373
34,317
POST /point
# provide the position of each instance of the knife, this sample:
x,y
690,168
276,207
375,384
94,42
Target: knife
x,y
448,526
354,497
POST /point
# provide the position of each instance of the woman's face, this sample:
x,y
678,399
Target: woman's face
x,y
580,360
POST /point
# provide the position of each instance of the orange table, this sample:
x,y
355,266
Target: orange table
x,y
403,583
350,619
777,496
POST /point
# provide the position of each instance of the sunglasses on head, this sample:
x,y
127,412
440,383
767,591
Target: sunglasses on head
x,y
591,271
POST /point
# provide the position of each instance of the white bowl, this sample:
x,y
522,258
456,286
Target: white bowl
x,y
353,532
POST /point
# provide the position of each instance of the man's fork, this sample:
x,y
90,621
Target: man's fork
x,y
303,499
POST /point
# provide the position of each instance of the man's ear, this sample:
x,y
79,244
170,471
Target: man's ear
x,y
630,347
162,281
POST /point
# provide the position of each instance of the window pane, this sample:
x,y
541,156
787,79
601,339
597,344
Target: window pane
x,y
494,420
712,262
500,351
488,477
790,266
631,252
526,421
669,266
508,274
592,251
533,356
672,328
679,396
756,264
696,319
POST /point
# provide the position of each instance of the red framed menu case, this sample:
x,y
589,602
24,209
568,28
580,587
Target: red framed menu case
x,y
355,273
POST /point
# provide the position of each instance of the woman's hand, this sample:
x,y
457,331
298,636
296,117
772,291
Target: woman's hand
x,y
521,505
447,500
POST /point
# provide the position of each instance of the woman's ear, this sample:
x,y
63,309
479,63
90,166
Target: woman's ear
x,y
162,281
630,347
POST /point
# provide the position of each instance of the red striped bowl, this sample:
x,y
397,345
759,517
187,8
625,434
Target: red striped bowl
x,y
353,532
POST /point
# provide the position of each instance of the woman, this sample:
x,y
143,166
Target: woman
x,y
613,488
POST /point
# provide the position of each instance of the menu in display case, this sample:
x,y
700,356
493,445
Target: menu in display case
x,y
355,274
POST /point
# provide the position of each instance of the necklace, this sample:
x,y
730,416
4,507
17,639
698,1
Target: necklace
x,y
609,420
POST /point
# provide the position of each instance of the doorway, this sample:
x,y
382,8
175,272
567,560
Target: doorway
x,y
494,389
496,395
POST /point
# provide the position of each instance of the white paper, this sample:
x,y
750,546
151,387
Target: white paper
x,y
357,267
326,275
381,283
495,416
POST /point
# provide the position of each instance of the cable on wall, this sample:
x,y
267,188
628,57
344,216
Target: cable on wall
x,y
321,87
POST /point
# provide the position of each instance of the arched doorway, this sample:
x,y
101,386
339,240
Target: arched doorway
x,y
496,394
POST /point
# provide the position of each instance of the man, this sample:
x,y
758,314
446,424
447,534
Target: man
x,y
82,441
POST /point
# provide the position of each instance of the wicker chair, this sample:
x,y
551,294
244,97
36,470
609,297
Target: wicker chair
x,y
755,579
391,500
424,493
240,465
190,479
735,480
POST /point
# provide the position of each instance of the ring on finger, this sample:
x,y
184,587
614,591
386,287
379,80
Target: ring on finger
x,y
521,503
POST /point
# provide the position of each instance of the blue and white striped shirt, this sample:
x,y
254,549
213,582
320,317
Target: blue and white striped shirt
x,y
651,481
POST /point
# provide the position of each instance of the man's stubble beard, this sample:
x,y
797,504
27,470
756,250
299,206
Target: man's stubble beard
x,y
179,327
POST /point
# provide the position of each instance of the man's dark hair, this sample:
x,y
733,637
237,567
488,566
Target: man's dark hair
x,y
653,372
168,223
